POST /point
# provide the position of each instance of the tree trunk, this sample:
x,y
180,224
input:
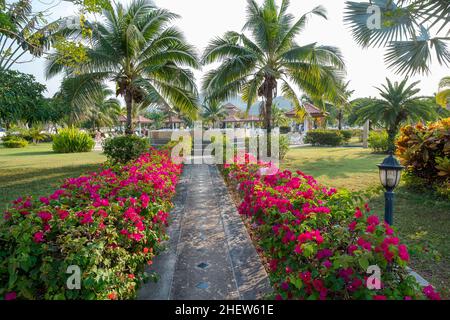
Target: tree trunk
x,y
268,120
392,132
129,104
340,120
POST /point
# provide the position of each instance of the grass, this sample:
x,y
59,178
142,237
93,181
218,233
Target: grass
x,y
422,220
36,170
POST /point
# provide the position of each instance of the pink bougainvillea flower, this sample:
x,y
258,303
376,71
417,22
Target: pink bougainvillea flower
x,y
38,237
430,293
374,220
45,215
403,252
11,296
379,297
44,200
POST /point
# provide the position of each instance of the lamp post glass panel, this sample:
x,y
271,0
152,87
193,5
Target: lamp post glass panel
x,y
390,174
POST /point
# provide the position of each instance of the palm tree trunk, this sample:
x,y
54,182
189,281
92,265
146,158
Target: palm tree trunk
x,y
268,119
392,132
340,120
129,104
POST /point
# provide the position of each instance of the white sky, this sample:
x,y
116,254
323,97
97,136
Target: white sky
x,y
202,20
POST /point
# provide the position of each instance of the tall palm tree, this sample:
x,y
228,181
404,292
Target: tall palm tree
x,y
254,64
443,96
398,104
136,47
342,103
213,112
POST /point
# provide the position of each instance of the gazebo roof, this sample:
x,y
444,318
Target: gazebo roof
x,y
173,119
139,119
312,110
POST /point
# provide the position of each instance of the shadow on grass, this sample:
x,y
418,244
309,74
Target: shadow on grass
x,y
33,153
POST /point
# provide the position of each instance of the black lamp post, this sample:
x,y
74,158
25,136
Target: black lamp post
x,y
390,174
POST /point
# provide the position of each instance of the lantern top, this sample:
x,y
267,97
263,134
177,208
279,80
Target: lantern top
x,y
390,162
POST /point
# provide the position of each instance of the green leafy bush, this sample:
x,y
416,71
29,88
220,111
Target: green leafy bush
x,y
15,142
70,140
425,152
123,149
346,135
324,138
378,141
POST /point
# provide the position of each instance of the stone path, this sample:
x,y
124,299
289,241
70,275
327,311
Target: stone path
x,y
210,255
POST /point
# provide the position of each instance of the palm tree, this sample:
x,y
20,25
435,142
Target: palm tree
x,y
398,104
279,118
342,103
213,112
104,111
23,31
135,47
412,30
443,96
255,64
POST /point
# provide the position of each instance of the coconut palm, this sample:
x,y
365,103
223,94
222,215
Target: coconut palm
x,y
213,112
398,104
135,47
266,55
443,96
279,118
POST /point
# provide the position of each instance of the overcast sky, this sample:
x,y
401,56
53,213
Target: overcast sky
x,y
202,20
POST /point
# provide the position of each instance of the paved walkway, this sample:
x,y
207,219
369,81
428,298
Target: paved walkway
x,y
210,255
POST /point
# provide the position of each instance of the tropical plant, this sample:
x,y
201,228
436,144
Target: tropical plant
x,y
279,118
24,31
255,64
15,142
123,149
103,112
35,133
412,30
70,140
378,141
398,105
158,118
443,96
425,152
342,103
136,48
213,112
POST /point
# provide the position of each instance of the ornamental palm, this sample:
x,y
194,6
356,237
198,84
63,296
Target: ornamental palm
x,y
213,112
398,104
412,30
443,96
255,64
148,59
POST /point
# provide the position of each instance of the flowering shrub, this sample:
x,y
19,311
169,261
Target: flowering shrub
x,y
425,151
317,244
108,223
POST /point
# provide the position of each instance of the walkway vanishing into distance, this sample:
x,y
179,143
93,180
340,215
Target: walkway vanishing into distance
x,y
209,255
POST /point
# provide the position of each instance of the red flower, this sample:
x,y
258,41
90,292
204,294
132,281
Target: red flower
x,y
131,276
431,293
379,297
112,296
45,215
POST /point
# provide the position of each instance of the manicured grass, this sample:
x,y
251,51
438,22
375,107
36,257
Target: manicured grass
x,y
422,220
37,170
351,168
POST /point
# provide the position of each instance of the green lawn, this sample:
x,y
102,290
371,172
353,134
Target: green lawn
x,y
36,170
422,220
